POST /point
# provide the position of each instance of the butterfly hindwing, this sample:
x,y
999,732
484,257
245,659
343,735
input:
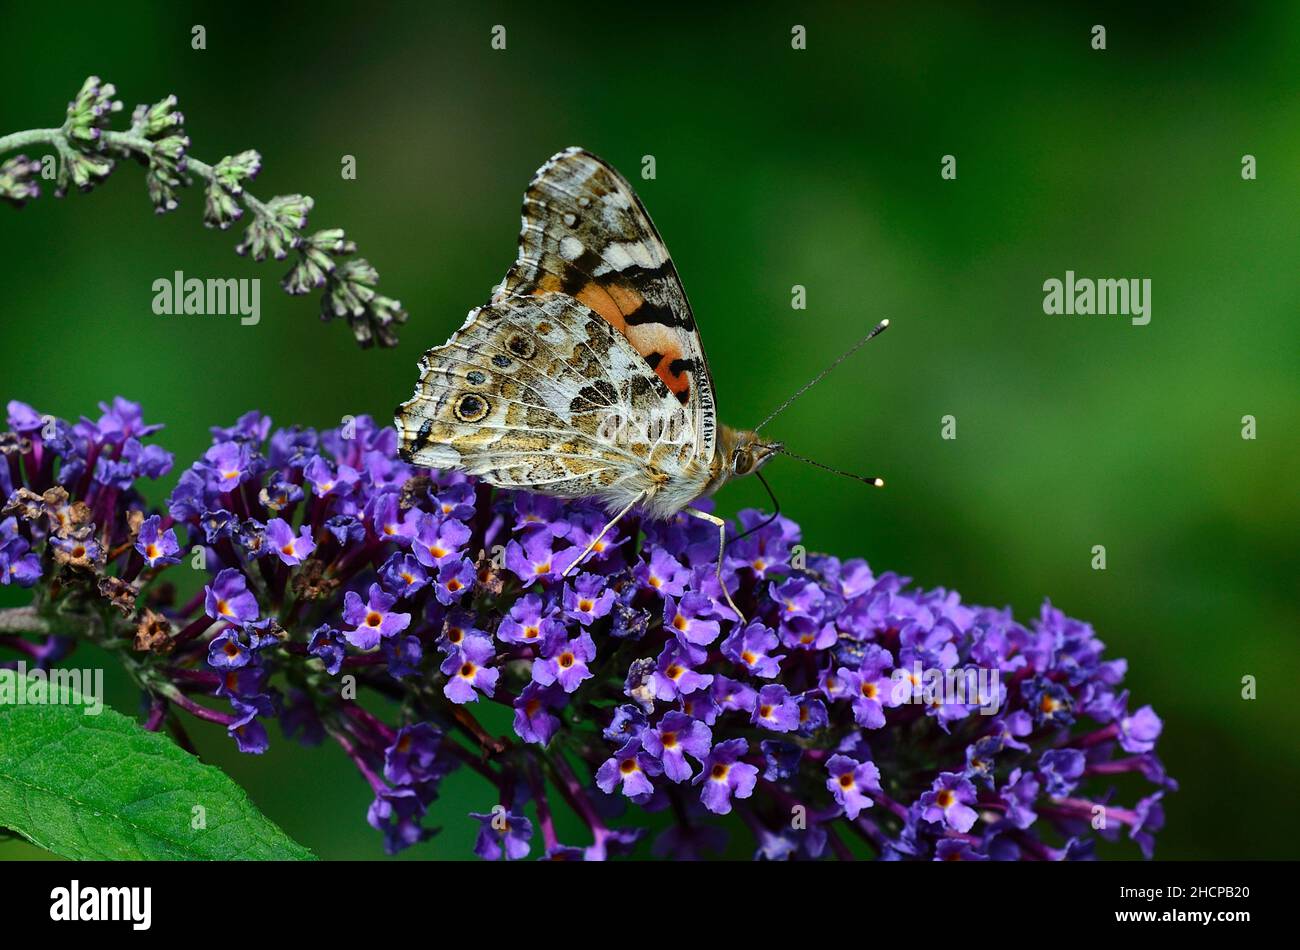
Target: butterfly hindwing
x,y
586,235
529,393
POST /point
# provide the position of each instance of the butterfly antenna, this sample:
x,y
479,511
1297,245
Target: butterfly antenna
x,y
871,480
878,329
776,512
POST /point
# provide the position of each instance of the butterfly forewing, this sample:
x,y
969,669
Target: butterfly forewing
x,y
586,235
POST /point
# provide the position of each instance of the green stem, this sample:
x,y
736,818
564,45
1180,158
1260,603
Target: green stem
x,y
126,141
11,143
23,620
29,620
122,141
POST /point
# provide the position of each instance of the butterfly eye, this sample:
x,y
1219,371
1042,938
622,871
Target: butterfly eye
x,y
742,462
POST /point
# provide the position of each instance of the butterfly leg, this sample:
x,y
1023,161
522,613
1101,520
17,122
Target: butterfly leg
x,y
722,547
603,531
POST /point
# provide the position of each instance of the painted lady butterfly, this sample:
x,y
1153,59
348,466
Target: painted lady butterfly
x,y
584,375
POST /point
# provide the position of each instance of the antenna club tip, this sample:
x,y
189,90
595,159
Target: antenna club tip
x,y
878,482
884,323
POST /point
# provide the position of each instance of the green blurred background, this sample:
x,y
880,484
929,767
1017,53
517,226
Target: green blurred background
x,y
775,167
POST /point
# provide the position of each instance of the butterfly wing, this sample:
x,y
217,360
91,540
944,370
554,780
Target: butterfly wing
x,y
586,234
533,392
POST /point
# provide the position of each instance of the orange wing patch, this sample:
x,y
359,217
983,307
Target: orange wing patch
x,y
602,301
663,352
585,234
656,342
549,284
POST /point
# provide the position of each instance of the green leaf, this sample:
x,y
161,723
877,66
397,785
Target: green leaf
x,y
102,788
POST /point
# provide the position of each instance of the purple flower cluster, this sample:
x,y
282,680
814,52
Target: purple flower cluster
x,y
847,714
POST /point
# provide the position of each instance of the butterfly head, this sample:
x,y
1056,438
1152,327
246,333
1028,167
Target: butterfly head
x,y
750,452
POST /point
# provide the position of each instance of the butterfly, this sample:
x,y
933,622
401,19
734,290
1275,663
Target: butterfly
x,y
584,376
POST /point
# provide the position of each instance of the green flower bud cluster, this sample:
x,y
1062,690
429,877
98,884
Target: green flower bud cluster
x,y
87,149
17,180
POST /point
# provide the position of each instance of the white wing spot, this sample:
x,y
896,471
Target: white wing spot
x,y
571,248
633,253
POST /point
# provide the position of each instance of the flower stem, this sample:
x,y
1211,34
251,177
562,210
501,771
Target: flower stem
x,y
17,140
23,620
194,709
